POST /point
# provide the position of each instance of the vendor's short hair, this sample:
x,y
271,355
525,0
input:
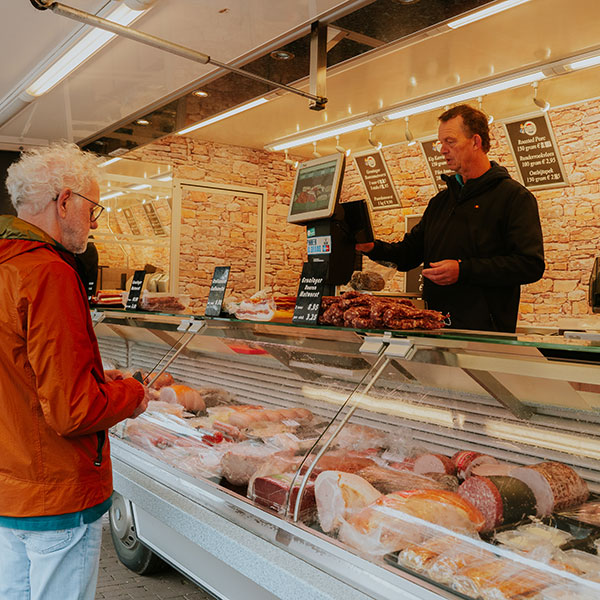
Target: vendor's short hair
x,y
42,173
474,122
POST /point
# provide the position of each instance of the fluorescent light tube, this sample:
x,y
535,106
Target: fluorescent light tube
x,y
225,115
109,196
81,51
481,91
322,135
141,186
485,12
110,161
165,178
585,62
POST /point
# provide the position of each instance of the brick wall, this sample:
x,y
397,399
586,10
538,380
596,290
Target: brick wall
x,y
570,215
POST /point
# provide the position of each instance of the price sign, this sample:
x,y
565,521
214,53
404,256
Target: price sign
x,y
436,163
217,291
377,180
535,151
153,219
310,292
413,280
90,289
135,291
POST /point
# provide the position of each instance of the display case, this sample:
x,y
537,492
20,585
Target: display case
x,y
297,462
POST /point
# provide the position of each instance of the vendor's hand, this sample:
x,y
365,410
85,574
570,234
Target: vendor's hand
x,y
443,272
143,405
366,247
113,375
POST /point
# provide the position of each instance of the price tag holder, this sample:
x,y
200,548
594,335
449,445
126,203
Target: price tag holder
x,y
135,291
310,293
90,290
217,291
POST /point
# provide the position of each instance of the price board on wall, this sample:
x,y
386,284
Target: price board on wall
x,y
535,151
153,219
376,178
436,163
132,221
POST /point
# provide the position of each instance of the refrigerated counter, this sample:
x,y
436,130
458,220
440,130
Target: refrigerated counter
x,y
336,463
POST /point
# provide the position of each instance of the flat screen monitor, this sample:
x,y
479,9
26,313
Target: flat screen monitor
x,y
316,188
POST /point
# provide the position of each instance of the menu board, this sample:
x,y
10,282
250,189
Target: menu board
x,y
131,221
436,163
153,219
310,292
217,291
535,151
376,178
135,291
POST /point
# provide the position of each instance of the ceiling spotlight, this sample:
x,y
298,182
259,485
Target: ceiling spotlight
x,y
200,93
376,145
407,1
315,153
142,122
543,105
282,55
341,149
408,134
490,118
288,161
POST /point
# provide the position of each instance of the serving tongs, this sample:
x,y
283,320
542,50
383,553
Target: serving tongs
x,y
189,327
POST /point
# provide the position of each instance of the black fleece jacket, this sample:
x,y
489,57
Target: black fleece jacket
x,y
492,226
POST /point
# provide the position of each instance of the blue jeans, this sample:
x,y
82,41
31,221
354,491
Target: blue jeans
x,y
50,565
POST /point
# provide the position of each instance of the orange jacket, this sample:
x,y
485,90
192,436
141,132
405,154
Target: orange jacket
x,y
55,404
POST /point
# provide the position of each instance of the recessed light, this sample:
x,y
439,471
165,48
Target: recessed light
x,y
142,122
200,93
407,1
282,55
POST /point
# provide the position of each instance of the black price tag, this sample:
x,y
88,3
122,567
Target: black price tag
x,y
217,291
310,292
135,291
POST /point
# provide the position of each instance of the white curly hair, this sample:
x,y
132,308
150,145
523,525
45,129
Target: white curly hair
x,y
42,173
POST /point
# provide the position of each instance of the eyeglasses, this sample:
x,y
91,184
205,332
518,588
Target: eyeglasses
x,y
96,211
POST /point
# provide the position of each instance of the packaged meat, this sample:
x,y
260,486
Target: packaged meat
x,y
189,398
434,463
280,491
499,499
532,536
222,413
586,513
584,562
243,460
163,302
556,486
340,460
260,306
445,567
361,437
569,591
339,495
418,556
392,480
298,416
466,460
396,520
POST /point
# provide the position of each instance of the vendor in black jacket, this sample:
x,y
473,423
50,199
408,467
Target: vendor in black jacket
x,y
479,239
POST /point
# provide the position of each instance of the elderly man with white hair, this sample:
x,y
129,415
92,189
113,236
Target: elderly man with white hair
x,y
56,401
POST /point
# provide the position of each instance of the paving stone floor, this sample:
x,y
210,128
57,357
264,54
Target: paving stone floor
x,y
117,582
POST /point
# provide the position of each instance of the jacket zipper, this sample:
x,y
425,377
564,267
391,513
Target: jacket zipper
x,y
101,435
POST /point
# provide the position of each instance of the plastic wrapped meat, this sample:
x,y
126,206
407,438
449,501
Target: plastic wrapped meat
x,y
394,521
361,437
248,418
340,460
339,495
570,591
556,486
533,536
444,567
418,556
392,480
166,408
243,460
274,492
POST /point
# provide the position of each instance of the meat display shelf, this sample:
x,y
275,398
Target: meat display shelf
x,y
378,400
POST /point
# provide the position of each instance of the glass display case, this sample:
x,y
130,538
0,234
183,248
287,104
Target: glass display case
x,y
320,462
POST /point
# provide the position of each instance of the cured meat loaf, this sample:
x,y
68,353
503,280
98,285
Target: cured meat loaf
x,y
556,486
391,480
499,499
466,460
434,463
272,491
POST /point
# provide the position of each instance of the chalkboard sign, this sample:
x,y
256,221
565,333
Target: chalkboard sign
x,y
310,292
135,291
535,151
377,180
413,280
217,291
436,163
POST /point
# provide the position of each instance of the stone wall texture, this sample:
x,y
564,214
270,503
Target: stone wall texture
x,y
570,215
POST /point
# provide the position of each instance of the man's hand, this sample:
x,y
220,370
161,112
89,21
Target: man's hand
x,y
113,375
443,272
143,405
366,247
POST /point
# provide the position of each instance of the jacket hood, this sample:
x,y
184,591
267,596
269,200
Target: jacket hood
x,y
479,185
18,236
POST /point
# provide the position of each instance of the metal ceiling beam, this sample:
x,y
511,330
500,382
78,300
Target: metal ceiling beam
x,y
317,102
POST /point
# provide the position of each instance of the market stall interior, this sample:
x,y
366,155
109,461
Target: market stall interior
x,y
374,453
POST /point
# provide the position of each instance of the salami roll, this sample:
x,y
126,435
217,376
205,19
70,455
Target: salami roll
x,y
499,498
466,460
434,463
556,486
